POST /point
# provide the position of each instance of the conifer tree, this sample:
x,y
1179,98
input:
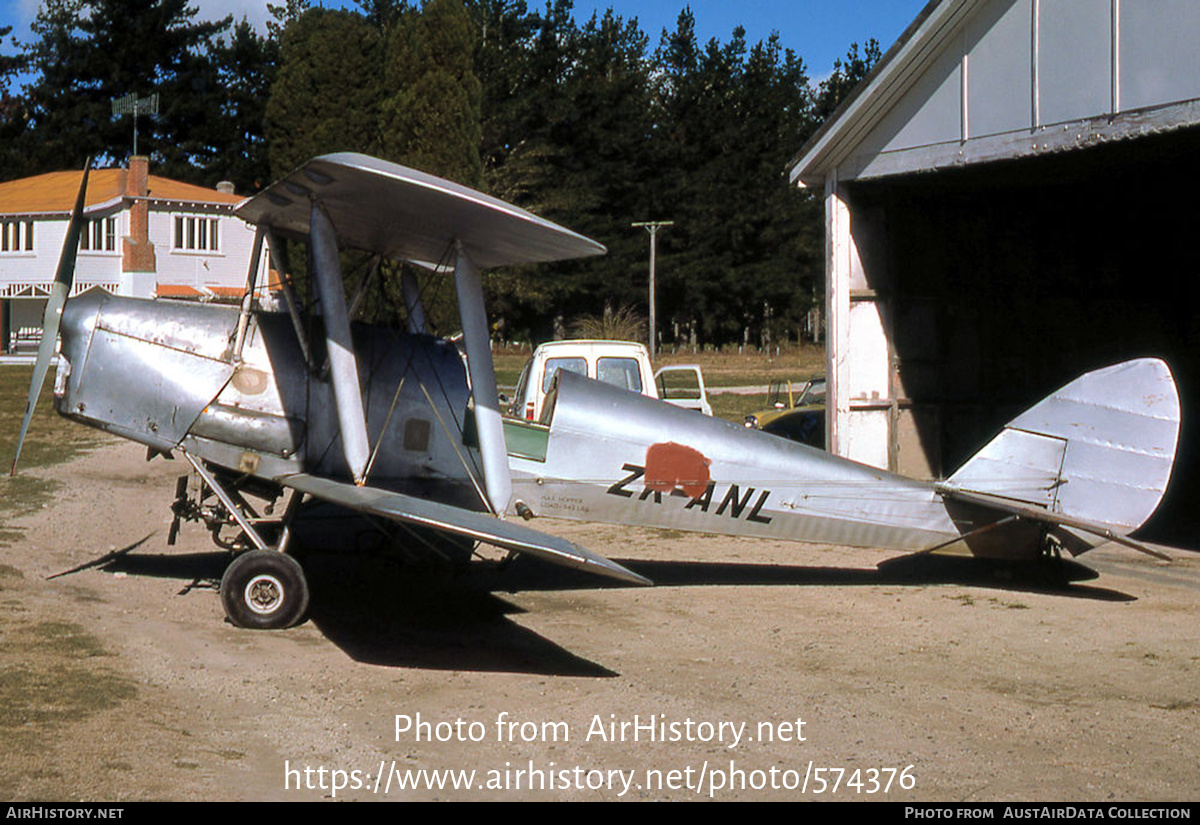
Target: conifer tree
x,y
430,114
87,52
326,93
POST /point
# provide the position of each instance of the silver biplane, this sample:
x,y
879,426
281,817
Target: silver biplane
x,y
391,424
364,417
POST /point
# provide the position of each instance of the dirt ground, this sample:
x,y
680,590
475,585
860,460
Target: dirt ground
x,y
943,680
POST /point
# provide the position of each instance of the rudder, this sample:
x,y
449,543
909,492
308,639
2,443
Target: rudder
x,y
1100,449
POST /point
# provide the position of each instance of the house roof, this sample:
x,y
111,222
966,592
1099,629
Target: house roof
x,y
54,192
210,290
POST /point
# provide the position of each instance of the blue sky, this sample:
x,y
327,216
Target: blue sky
x,y
818,30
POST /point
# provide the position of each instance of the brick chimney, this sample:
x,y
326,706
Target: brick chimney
x,y
137,251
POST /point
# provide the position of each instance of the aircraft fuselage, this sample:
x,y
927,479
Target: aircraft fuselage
x,y
164,373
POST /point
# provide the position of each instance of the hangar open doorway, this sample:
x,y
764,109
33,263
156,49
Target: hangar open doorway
x,y
997,283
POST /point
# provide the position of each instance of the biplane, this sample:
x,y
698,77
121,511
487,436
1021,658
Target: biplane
x,y
398,425
387,423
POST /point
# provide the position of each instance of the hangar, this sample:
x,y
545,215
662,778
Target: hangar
x,y
1006,207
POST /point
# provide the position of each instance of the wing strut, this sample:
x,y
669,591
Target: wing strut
x,y
492,448
412,301
289,295
248,295
343,363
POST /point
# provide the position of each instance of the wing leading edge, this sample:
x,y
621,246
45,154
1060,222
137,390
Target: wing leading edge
x,y
455,520
403,213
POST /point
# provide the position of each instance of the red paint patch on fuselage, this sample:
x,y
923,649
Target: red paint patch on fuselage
x,y
671,465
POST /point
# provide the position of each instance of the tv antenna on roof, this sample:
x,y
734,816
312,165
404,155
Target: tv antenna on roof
x,y
131,104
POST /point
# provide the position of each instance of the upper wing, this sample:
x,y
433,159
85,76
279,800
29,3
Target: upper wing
x,y
479,526
401,213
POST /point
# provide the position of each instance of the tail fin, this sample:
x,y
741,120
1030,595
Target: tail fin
x,y
1097,453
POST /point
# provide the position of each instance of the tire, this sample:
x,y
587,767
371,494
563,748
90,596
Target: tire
x,y
264,590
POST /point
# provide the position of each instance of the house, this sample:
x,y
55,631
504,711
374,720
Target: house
x,y
144,235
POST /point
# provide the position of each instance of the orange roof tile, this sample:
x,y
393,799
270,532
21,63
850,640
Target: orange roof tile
x,y
225,291
165,189
54,192
176,291
185,291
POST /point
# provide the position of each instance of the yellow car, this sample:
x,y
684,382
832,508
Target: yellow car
x,y
795,415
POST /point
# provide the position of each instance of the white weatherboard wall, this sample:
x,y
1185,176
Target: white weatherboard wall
x,y
976,81
226,267
859,378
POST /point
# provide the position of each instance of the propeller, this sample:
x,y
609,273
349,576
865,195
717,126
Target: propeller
x,y
59,291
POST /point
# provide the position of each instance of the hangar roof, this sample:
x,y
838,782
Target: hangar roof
x,y
972,81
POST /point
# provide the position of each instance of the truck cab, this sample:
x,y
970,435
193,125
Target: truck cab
x,y
621,363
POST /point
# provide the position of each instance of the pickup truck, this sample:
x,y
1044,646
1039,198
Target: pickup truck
x,y
622,363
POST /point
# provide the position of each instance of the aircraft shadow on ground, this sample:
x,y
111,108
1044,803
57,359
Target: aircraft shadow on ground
x,y
382,611
1060,578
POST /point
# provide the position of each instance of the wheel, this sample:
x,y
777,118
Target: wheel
x,y
264,590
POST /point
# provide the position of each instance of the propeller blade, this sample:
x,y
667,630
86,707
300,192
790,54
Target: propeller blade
x,y
64,277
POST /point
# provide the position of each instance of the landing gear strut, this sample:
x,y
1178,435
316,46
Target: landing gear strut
x,y
263,587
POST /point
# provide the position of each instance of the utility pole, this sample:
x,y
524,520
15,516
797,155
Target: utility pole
x,y
652,227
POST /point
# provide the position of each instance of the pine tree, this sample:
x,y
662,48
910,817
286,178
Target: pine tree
x,y
845,76
13,111
327,90
246,67
88,52
430,116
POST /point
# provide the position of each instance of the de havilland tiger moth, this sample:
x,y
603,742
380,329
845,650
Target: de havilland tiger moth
x,y
397,424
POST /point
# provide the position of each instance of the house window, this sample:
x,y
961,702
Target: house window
x,y
16,236
197,234
99,235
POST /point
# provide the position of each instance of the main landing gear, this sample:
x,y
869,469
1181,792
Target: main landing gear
x,y
263,588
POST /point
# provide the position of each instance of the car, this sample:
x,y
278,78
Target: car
x,y
796,416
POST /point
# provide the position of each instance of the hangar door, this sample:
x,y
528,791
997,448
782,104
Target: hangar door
x,y
999,283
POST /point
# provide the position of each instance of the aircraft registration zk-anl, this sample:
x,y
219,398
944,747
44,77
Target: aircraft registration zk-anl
x,y
392,424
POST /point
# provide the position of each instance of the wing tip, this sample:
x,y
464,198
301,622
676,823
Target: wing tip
x,y
618,572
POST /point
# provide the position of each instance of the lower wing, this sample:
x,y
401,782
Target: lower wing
x,y
460,522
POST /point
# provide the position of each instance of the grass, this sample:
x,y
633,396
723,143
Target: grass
x,y
51,677
52,673
721,369
51,440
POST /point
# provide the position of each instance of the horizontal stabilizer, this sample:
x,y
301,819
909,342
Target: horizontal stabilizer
x,y
1031,513
1094,457
460,522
